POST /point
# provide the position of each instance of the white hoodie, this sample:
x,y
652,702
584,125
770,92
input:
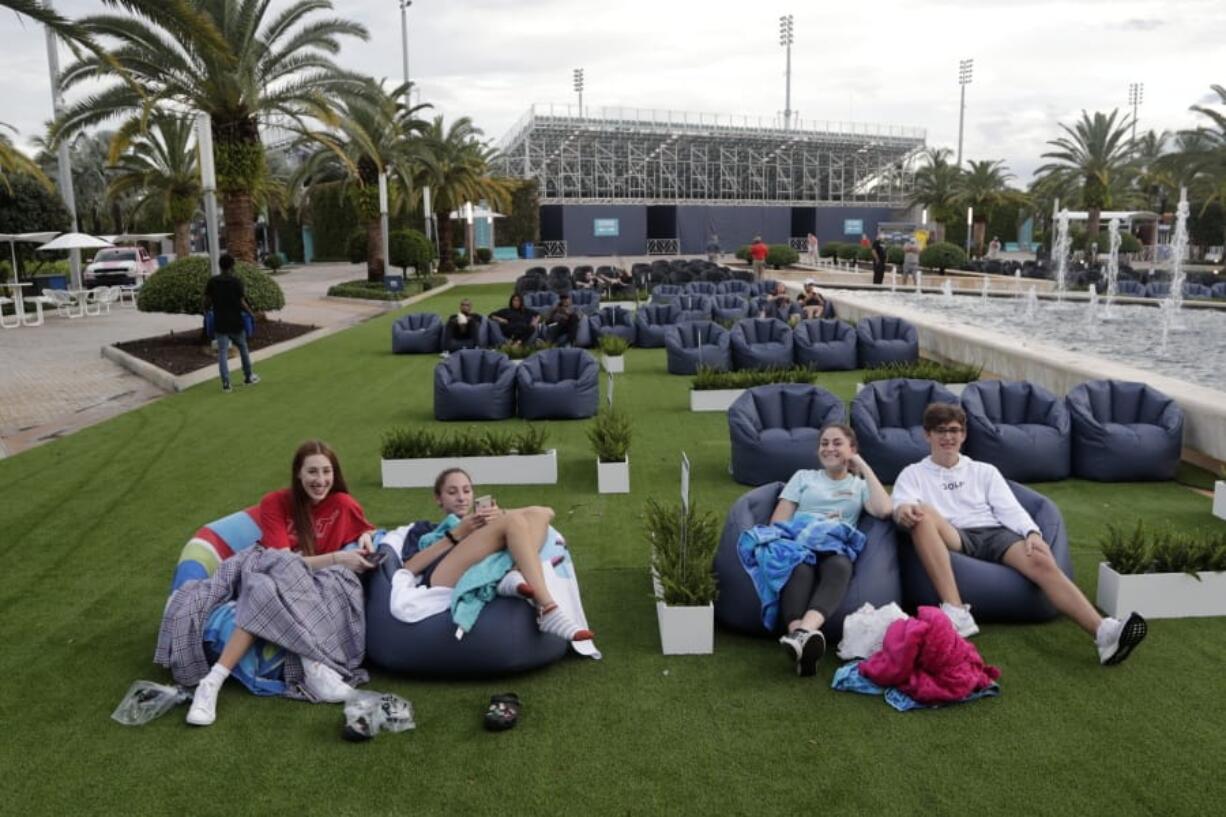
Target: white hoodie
x,y
969,495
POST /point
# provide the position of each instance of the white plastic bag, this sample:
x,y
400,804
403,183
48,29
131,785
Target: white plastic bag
x,y
369,713
146,701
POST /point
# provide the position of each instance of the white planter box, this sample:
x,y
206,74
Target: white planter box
x,y
615,364
1161,595
713,399
1219,499
537,469
686,630
613,477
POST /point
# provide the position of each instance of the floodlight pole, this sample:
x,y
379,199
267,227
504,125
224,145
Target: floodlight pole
x,y
578,85
404,42
785,40
63,161
965,69
1136,90
208,182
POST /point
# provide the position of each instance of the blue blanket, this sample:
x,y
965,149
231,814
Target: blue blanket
x,y
847,678
769,553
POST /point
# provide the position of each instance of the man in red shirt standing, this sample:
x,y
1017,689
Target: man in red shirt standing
x,y
757,254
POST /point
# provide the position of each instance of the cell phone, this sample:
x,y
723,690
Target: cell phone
x,y
484,502
375,558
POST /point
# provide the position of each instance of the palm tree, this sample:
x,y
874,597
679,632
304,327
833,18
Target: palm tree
x,y
374,131
159,166
1099,151
984,186
935,185
1207,157
457,171
12,160
230,59
1154,179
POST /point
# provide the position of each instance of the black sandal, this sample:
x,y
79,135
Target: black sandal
x,y
502,713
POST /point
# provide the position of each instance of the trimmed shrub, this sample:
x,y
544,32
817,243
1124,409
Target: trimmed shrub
x,y
830,249
849,252
461,261
781,255
484,256
410,248
178,288
742,252
894,254
864,253
942,255
357,246
274,261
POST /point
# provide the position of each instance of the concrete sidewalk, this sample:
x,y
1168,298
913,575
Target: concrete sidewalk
x,y
54,381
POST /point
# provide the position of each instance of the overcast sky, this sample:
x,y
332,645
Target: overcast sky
x,y
1037,62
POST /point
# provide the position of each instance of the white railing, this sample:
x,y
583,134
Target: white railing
x,y
552,249
663,246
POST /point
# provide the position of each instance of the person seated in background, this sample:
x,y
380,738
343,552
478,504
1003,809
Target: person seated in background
x,y
811,301
562,322
778,304
947,501
463,326
518,323
618,279
584,278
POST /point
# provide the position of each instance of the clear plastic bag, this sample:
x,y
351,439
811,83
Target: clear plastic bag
x,y
369,713
146,701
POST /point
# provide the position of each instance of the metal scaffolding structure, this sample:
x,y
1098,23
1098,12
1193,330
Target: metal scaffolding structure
x,y
644,156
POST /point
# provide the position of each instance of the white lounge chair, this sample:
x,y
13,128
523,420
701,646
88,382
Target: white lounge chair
x,y
5,319
64,303
100,300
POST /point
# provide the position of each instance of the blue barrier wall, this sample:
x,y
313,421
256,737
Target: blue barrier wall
x,y
579,228
830,221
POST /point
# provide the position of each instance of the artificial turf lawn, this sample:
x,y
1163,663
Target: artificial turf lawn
x,y
91,526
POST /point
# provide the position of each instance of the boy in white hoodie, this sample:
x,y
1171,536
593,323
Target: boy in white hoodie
x,y
947,501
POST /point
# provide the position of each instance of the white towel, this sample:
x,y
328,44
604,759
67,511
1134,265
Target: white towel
x,y
864,630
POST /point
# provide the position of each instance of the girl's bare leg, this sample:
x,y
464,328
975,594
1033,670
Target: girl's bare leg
x,y
240,641
521,532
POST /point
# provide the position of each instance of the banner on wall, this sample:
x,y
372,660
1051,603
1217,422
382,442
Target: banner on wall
x,y
606,227
853,226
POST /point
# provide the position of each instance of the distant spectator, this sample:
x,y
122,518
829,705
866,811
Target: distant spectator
x,y
757,254
994,248
811,301
562,322
224,294
878,250
517,321
864,242
713,248
463,326
910,259
812,243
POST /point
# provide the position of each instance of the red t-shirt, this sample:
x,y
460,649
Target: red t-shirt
x,y
339,520
758,251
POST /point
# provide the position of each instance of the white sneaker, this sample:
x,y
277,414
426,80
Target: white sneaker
x,y
806,647
204,703
324,683
1115,639
961,618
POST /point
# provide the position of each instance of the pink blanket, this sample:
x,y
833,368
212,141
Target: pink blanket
x,y
925,658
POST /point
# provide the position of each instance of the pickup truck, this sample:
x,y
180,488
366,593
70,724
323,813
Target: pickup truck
x,y
120,265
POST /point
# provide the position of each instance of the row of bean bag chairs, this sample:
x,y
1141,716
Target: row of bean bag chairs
x,y
481,384
668,292
586,301
889,571
1162,289
886,416
423,333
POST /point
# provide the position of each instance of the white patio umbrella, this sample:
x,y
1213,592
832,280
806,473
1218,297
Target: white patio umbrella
x,y
13,238
76,241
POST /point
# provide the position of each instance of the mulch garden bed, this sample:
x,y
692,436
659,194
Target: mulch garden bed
x,y
185,352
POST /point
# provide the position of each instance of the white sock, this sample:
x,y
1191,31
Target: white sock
x,y
217,674
1108,630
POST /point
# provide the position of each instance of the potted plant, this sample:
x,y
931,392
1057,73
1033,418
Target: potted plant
x,y
953,376
517,353
713,390
682,554
1219,496
612,353
1162,574
610,436
413,457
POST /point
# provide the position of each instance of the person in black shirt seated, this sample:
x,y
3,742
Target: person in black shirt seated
x,y
562,322
463,327
584,278
615,279
518,323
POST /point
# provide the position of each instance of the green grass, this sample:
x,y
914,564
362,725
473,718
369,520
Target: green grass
x,y
91,526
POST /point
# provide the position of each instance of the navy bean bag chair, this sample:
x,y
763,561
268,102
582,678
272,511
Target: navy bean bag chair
x,y
1124,432
541,302
558,384
1218,290
693,307
1135,289
586,300
735,287
615,320
761,343
708,288
418,333
451,343
825,345
492,336
766,305
886,339
506,639
666,293
729,307
1191,290
1157,289
995,592
651,322
585,334
530,283
474,384
1022,429
876,579
887,417
698,343
773,430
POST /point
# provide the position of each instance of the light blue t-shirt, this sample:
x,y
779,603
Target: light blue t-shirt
x,y
816,493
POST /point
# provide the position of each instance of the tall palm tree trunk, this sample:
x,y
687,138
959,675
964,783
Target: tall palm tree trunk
x,y
183,247
375,264
1092,222
239,213
445,263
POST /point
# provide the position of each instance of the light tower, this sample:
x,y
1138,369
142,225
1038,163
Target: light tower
x,y
1136,94
579,89
965,69
785,40
404,44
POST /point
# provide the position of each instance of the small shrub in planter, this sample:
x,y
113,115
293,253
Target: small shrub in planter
x,y
742,252
178,288
484,256
406,443
894,254
362,288
864,253
849,252
708,379
520,351
830,249
1162,551
274,261
410,248
781,255
923,370
610,435
942,255
613,345
683,569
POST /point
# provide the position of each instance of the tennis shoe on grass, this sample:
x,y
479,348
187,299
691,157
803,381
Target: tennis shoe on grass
x,y
806,647
1116,639
961,618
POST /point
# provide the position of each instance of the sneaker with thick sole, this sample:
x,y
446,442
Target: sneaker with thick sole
x,y
961,618
204,703
226,388
806,648
324,683
1131,633
255,378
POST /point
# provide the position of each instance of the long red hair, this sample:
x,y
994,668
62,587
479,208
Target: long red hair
x,y
304,525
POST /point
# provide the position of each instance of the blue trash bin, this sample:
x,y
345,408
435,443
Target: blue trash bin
x,y
527,250
53,281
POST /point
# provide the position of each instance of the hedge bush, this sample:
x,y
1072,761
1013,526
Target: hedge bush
x,y
894,254
742,252
484,256
942,255
849,252
410,248
781,255
178,288
830,249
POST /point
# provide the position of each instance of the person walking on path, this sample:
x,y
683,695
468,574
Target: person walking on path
x,y
757,254
878,250
224,294
910,260
812,242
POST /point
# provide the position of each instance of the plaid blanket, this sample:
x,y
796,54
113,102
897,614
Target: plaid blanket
x,y
316,615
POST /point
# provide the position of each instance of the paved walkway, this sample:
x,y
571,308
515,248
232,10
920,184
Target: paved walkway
x,y
54,381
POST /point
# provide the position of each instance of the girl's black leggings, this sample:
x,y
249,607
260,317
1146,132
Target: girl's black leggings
x,y
819,588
